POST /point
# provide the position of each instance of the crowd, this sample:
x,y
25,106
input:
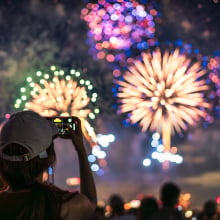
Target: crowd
x,y
27,152
167,207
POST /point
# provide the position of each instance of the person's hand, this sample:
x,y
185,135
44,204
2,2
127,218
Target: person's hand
x,y
75,135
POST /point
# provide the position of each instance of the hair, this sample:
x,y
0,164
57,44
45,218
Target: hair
x,y
169,194
22,175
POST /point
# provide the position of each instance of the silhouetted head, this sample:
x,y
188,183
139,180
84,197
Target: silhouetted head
x,y
210,208
169,194
117,204
147,207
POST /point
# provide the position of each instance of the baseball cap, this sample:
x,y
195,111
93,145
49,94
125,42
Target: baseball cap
x,y
30,130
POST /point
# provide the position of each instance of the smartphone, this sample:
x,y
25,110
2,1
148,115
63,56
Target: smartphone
x,y
63,124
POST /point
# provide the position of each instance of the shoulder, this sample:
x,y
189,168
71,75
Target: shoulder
x,y
78,207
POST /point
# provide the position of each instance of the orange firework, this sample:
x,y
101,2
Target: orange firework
x,y
59,97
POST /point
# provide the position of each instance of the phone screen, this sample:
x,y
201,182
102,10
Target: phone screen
x,y
63,124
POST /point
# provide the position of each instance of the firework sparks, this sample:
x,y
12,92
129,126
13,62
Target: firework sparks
x,y
163,93
59,97
214,76
59,94
211,66
163,88
119,26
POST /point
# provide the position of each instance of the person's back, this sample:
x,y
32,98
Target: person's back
x,y
23,204
169,195
26,151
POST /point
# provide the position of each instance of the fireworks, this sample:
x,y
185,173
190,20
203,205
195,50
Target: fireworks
x,y
214,66
60,94
214,76
211,65
119,26
163,89
163,93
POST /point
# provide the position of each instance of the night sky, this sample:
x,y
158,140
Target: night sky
x,y
36,34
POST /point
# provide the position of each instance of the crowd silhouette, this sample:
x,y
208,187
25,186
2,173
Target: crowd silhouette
x,y
166,207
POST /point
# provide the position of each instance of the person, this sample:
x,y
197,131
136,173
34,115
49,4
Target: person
x,y
117,209
169,195
209,211
148,207
26,151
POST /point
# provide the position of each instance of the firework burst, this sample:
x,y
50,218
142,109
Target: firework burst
x,y
60,94
117,26
163,93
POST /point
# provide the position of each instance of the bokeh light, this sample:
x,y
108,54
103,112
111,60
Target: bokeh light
x,y
158,153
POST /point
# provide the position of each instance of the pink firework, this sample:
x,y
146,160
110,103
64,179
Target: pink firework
x,y
118,26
